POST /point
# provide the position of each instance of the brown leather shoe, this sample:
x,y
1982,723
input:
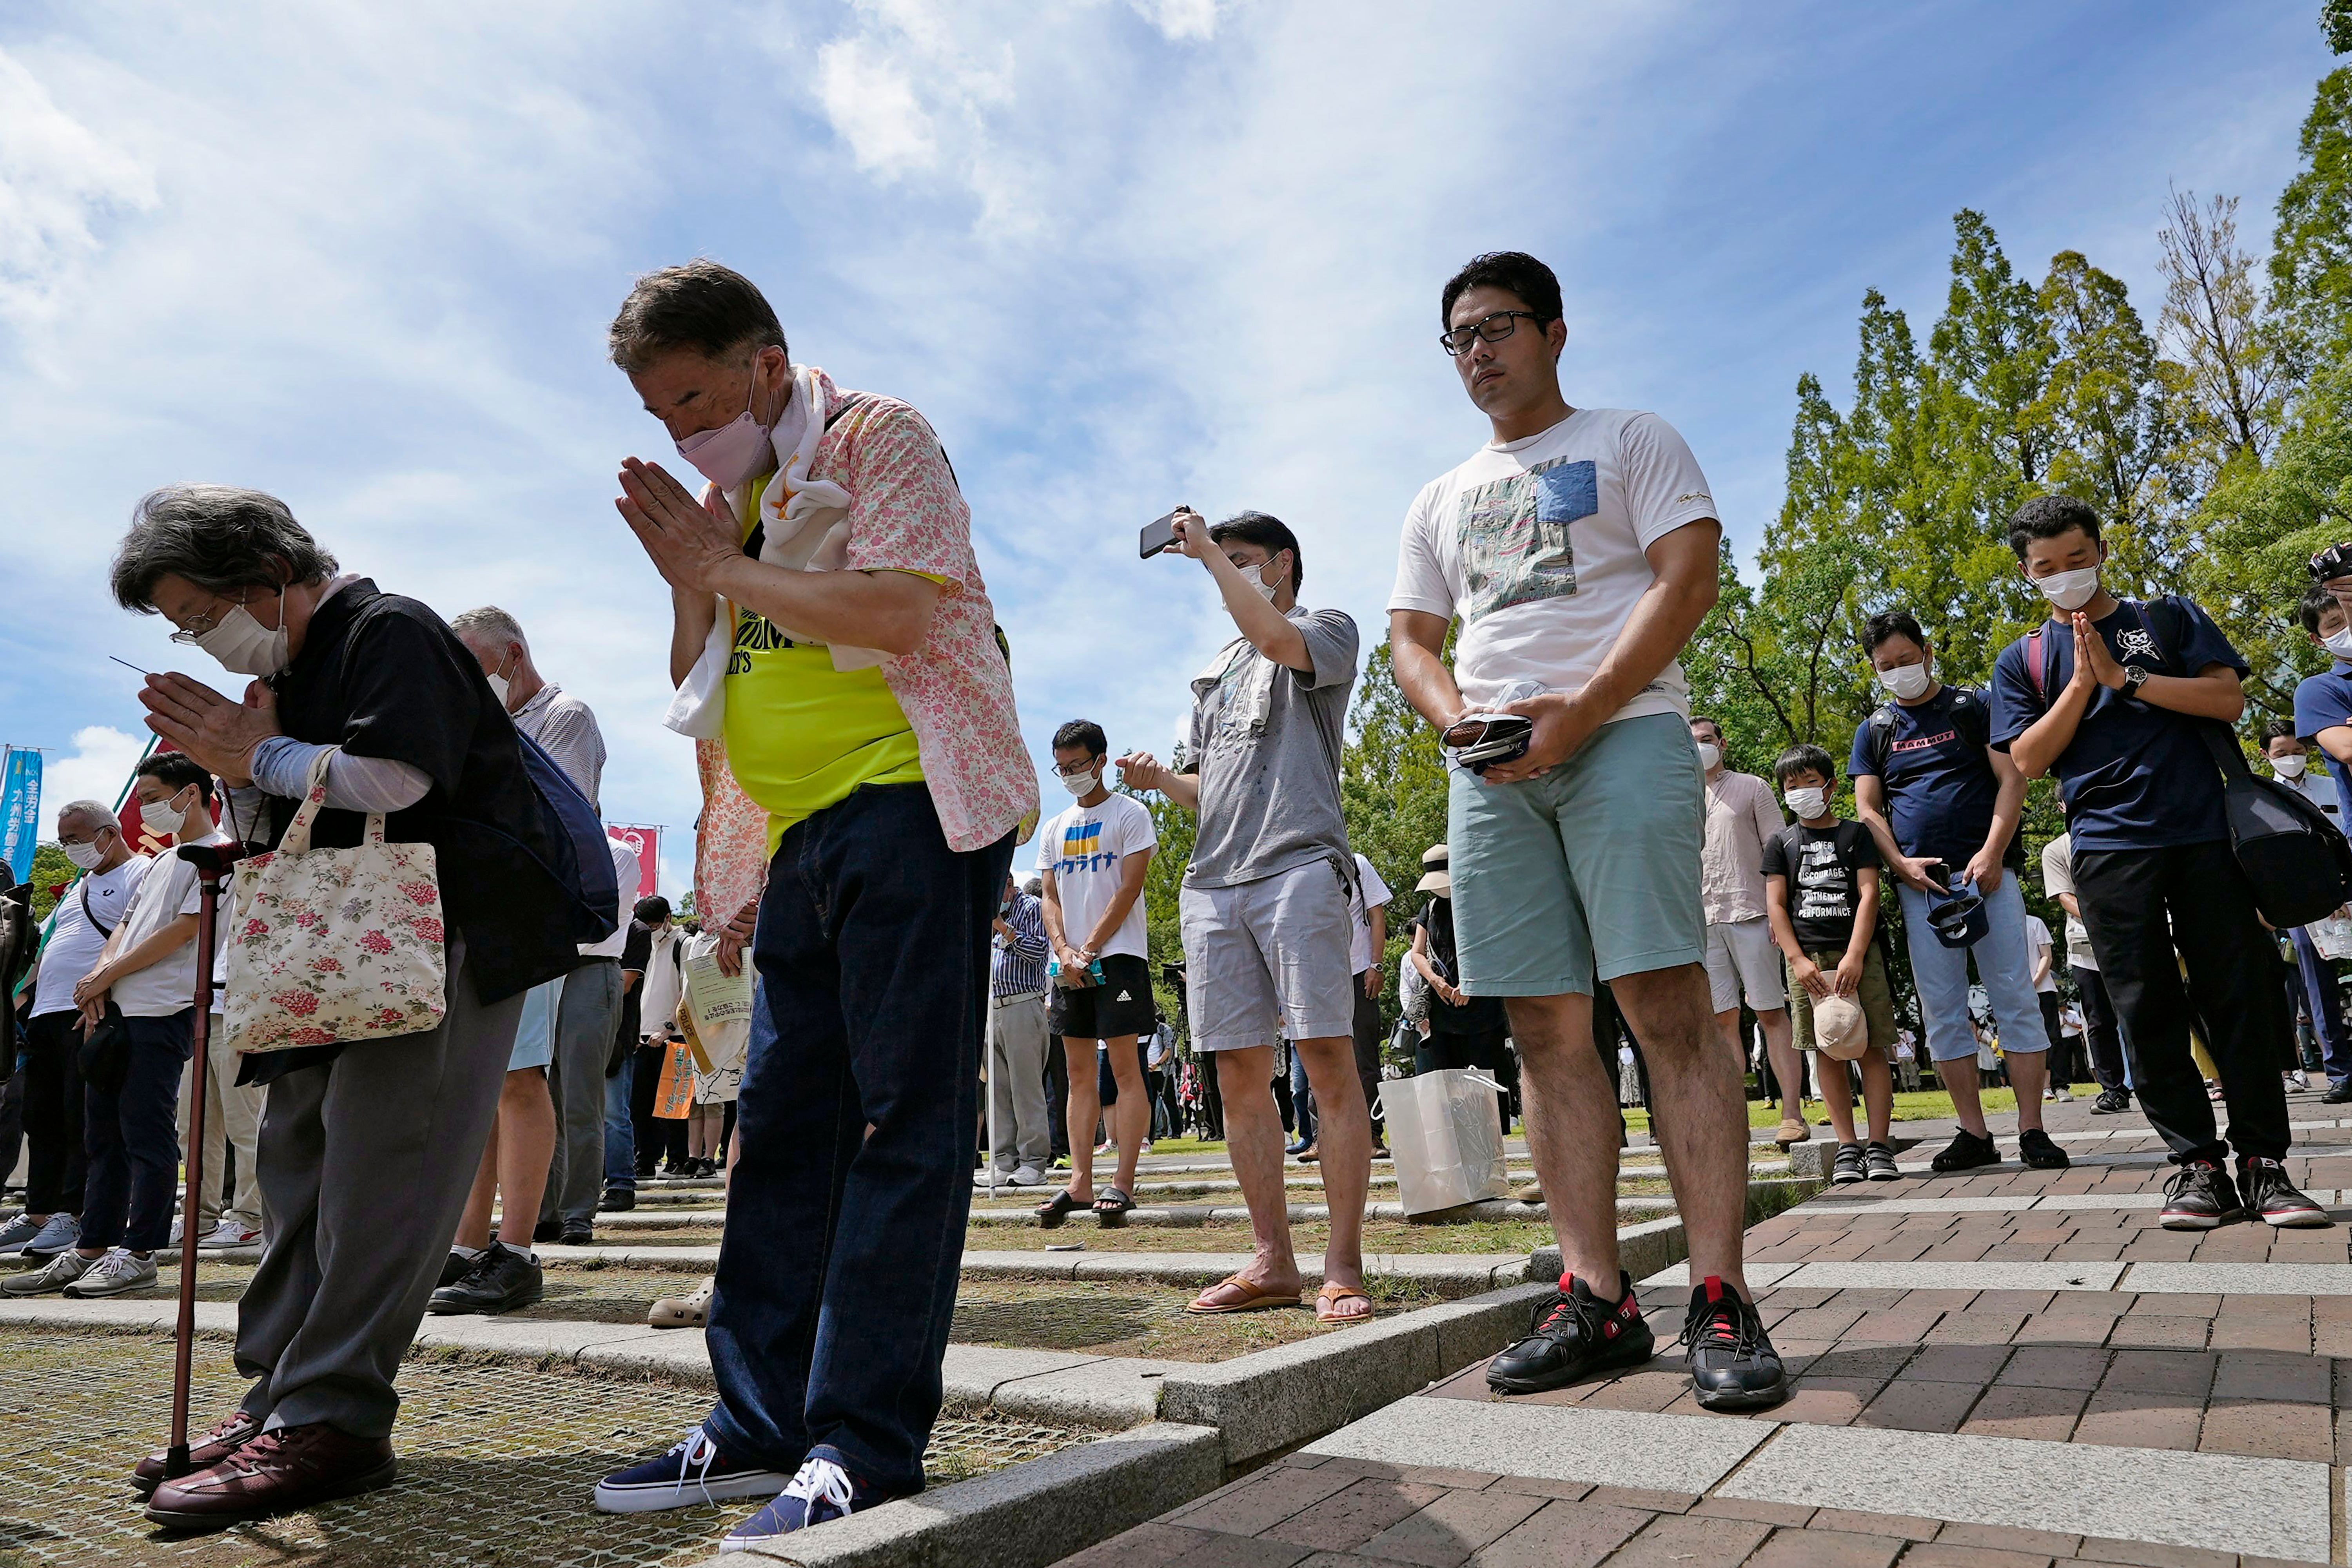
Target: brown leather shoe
x,y
229,1435
291,1467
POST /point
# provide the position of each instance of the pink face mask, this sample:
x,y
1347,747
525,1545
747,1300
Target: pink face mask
x,y
730,455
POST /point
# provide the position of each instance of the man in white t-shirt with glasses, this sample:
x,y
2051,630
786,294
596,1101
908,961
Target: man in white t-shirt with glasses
x,y
1578,550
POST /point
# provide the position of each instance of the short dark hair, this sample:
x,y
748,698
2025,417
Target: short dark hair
x,y
1513,272
652,909
1083,732
2280,730
1890,623
178,770
1264,530
712,309
2307,609
1699,718
1804,758
2047,517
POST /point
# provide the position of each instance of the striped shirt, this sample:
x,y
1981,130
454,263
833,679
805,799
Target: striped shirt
x,y
1019,965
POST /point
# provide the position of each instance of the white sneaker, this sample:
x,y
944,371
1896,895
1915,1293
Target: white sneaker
x,y
60,1272
989,1176
120,1270
179,1229
1144,1148
2060,1096
228,1233
1028,1176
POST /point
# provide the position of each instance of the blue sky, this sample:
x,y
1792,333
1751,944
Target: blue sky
x,y
1122,255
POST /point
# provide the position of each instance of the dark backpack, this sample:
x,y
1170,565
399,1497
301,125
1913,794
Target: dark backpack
x,y
583,867
2299,862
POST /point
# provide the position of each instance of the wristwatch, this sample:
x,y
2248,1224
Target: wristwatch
x,y
2135,677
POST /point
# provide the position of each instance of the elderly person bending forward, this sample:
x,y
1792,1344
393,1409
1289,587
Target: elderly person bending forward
x,y
366,1151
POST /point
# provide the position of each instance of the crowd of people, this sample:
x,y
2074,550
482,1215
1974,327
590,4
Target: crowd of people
x,y
1612,904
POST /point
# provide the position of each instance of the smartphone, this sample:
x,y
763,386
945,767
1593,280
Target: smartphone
x,y
1160,535
1480,740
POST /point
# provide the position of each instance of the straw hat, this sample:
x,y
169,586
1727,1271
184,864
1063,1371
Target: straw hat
x,y
1434,877
1840,1029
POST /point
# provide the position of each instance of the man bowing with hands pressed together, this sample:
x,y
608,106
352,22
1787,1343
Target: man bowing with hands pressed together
x,y
1266,913
866,709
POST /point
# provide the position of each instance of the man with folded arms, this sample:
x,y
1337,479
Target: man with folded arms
x,y
1578,549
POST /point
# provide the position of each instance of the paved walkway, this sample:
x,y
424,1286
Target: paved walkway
x,y
2006,1369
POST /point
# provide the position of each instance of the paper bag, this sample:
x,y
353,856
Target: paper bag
x,y
1445,1133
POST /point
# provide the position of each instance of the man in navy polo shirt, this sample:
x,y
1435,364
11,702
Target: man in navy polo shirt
x,y
1933,792
2322,717
2107,696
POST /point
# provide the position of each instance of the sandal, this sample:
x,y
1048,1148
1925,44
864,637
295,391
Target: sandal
x,y
1330,1296
1112,1205
1248,1298
1051,1212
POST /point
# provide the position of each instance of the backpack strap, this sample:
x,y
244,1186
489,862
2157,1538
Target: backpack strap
x,y
1972,717
2033,671
1881,737
2168,628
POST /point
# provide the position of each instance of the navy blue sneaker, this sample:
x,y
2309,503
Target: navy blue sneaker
x,y
823,1491
693,1471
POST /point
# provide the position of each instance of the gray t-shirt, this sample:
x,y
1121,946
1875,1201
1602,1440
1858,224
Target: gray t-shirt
x,y
566,727
1266,741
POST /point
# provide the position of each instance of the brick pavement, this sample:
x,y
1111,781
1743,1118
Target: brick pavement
x,y
1932,1424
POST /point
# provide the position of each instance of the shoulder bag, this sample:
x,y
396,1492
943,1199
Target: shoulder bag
x,y
329,946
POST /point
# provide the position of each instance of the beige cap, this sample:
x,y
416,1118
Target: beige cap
x,y
1838,1027
1435,878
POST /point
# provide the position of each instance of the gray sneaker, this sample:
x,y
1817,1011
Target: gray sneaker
x,y
120,1270
16,1232
60,1271
62,1234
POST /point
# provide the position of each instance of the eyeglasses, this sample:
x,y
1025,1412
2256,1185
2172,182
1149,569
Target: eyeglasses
x,y
1079,771
204,625
1494,329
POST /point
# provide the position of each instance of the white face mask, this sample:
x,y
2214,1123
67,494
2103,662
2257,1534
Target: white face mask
x,y
86,856
2340,644
2069,590
1084,784
499,689
1906,682
2289,766
1809,803
164,817
244,646
1709,756
1266,590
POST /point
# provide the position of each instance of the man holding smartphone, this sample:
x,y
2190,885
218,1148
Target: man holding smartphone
x,y
1266,906
1578,548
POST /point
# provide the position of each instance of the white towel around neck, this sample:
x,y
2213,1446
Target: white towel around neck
x,y
805,525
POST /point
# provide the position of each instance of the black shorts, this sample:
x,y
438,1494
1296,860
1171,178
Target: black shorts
x,y
1121,1005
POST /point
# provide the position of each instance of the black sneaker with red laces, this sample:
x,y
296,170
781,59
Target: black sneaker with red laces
x,y
1574,1335
1733,1365
2267,1194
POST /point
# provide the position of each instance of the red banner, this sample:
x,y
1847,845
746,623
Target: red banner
x,y
646,842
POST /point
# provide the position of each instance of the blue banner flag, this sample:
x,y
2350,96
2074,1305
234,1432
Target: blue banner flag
x,y
20,811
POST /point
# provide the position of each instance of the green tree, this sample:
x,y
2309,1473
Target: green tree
x,y
51,871
2311,249
2235,374
1393,790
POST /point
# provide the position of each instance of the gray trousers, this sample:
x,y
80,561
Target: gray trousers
x,y
1017,1081
365,1162
585,1021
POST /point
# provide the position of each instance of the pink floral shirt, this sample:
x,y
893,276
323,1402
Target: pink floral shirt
x,y
906,513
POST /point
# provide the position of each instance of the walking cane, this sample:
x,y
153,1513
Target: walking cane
x,y
212,863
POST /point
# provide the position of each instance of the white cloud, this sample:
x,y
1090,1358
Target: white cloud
x,y
97,768
56,176
872,104
1180,20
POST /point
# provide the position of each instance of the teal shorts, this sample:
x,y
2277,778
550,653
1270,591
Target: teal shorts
x,y
1592,868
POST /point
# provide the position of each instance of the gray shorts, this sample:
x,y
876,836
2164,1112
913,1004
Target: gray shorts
x,y
1268,959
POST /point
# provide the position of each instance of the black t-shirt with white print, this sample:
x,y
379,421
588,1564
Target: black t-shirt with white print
x,y
1822,866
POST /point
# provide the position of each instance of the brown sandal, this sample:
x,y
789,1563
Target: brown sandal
x,y
1330,1296
1251,1298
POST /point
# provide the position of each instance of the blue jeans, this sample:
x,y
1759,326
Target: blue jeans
x,y
132,1140
2002,967
837,1276
2326,1008
620,1132
1302,1097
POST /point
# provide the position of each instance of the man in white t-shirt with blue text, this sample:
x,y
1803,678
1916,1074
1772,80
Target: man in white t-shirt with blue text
x,y
1577,549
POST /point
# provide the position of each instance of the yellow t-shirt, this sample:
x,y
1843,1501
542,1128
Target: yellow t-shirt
x,y
800,735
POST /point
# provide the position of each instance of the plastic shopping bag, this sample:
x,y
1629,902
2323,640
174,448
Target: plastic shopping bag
x,y
674,1096
1445,1133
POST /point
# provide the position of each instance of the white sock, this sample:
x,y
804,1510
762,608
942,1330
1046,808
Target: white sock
x,y
468,1253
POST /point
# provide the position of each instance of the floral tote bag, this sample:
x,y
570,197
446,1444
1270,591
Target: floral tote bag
x,y
328,946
